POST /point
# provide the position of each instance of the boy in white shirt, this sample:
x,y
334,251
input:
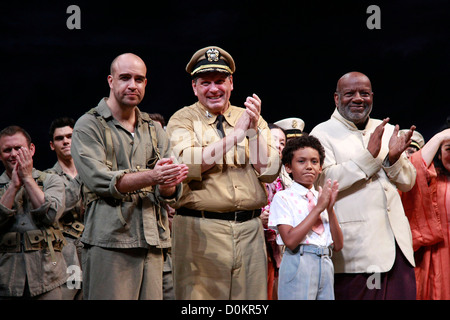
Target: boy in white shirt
x,y
307,224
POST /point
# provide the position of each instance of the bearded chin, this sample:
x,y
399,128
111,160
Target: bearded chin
x,y
358,118
127,102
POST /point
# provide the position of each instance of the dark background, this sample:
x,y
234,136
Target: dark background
x,y
290,53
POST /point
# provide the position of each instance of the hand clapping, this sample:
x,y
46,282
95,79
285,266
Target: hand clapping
x,y
327,195
169,174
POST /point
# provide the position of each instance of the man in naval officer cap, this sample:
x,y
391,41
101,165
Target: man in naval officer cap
x,y
210,59
218,245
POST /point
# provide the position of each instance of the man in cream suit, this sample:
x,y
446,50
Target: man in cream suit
x,y
366,156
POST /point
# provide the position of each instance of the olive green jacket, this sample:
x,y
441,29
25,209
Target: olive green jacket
x,y
42,267
113,219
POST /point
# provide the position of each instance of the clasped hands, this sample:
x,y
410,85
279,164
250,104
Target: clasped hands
x,y
327,195
168,174
248,121
23,167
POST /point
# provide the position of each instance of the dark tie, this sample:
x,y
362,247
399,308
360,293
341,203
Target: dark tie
x,y
220,118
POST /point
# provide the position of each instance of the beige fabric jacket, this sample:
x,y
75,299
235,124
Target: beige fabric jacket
x,y
368,208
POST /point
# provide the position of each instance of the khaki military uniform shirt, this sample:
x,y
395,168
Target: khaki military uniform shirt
x,y
116,220
71,222
230,185
42,270
73,205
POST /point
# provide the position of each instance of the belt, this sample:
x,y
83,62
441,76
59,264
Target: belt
x,y
320,251
32,240
238,216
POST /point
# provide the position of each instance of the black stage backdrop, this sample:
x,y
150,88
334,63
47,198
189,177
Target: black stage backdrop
x,y
290,53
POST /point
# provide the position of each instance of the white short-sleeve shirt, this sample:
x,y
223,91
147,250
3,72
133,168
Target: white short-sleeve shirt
x,y
290,207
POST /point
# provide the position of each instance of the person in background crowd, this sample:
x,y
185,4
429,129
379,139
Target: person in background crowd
x,y
31,202
218,244
273,249
158,117
71,221
366,156
417,142
293,127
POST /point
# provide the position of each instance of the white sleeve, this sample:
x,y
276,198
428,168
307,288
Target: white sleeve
x,y
280,212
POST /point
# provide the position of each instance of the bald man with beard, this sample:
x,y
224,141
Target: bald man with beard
x,y
366,156
123,159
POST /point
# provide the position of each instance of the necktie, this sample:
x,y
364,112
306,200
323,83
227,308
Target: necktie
x,y
318,226
220,119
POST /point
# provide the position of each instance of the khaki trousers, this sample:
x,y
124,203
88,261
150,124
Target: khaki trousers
x,y
122,274
218,259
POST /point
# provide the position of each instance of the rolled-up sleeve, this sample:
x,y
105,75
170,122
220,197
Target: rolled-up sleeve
x,y
54,199
89,155
186,145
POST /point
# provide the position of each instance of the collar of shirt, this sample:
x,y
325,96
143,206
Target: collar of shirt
x,y
297,187
350,125
104,110
58,169
231,115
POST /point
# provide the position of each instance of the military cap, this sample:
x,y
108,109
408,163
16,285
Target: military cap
x,y
417,139
211,59
292,126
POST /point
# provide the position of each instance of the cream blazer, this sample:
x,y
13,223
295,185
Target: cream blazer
x,y
368,208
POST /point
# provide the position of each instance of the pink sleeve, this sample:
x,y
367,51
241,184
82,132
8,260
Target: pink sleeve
x,y
419,206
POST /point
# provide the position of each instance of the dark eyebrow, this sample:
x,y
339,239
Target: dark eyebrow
x,y
130,75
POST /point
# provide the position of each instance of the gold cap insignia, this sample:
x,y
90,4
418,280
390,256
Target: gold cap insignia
x,y
212,55
294,124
